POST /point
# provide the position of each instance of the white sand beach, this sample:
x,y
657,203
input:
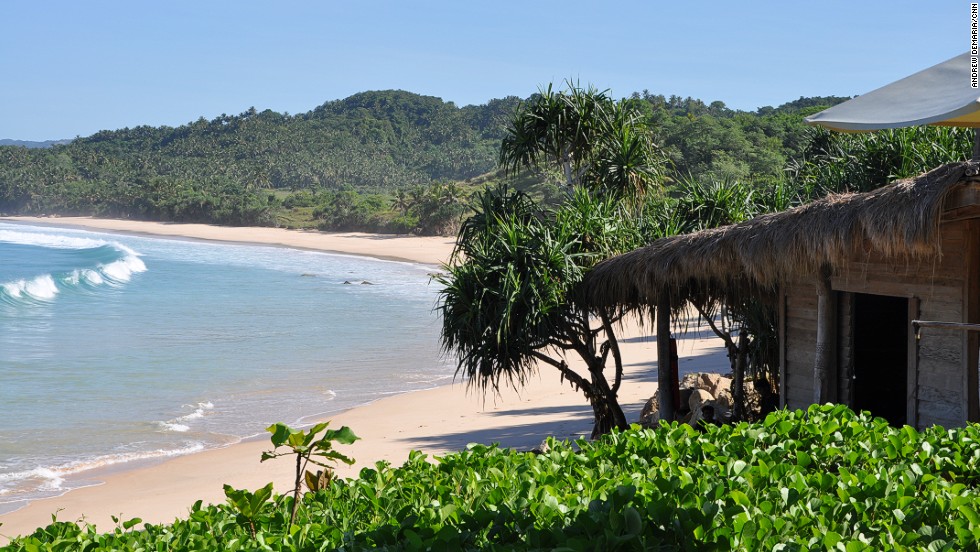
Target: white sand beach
x,y
435,421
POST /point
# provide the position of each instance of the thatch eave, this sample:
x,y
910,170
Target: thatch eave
x,y
897,221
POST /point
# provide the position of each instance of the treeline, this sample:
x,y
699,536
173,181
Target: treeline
x,y
223,170
376,161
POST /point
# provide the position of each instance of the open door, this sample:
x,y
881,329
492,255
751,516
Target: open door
x,y
881,355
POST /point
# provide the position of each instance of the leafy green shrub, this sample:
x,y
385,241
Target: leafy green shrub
x,y
835,162
824,478
308,447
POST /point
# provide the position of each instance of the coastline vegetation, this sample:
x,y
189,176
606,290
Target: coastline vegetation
x,y
392,161
507,299
509,294
376,161
824,478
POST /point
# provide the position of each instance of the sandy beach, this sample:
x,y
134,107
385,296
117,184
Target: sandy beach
x,y
435,421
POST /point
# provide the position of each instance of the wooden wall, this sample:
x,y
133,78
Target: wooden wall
x,y
799,325
943,378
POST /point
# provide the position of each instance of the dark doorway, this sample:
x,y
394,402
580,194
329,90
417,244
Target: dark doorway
x,y
881,349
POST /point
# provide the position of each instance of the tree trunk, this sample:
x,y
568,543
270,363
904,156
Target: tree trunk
x,y
605,406
825,359
738,383
296,489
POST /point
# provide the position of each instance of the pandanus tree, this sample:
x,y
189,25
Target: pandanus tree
x,y
508,298
591,140
508,304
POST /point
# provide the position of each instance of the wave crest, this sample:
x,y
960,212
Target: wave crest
x,y
179,424
114,265
39,289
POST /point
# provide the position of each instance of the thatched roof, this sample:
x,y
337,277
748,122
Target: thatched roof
x,y
900,220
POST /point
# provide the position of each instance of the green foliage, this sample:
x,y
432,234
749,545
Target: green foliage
x,y
824,478
308,447
591,139
252,509
220,171
709,203
835,162
506,287
365,150
507,298
717,143
507,301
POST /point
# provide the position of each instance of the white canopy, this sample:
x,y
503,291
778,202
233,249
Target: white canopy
x,y
939,95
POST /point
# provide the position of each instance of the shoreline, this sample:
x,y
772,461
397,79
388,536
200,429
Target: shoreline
x,y
429,250
436,421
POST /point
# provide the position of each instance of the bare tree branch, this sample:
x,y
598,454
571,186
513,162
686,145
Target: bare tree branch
x,y
567,373
614,347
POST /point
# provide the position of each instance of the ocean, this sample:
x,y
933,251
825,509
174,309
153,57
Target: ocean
x,y
118,348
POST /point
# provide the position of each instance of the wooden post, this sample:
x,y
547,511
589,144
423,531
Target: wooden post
x,y
664,380
971,312
976,144
825,360
912,376
781,328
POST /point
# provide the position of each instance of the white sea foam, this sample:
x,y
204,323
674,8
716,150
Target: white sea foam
x,y
46,287
178,424
122,271
53,478
49,240
79,276
198,412
48,478
41,288
175,427
443,377
92,277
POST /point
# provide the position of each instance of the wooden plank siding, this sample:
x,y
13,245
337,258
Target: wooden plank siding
x,y
943,365
800,327
971,314
845,348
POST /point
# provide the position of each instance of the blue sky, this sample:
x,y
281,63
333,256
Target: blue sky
x,y
71,68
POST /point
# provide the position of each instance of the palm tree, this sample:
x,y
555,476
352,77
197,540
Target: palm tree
x,y
450,194
401,201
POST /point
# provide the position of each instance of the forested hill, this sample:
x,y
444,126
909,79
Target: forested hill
x,y
236,169
32,143
372,140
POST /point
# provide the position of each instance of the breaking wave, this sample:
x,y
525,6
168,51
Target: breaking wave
x,y
101,264
179,424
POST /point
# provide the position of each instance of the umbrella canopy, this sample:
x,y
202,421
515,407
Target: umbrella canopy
x,y
940,95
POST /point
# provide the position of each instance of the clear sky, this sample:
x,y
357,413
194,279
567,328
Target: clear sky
x,y
71,67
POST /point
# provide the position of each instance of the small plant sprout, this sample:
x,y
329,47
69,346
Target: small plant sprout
x,y
308,447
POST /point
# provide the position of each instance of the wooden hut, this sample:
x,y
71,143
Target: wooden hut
x,y
850,274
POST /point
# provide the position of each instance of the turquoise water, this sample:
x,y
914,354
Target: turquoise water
x,y
117,348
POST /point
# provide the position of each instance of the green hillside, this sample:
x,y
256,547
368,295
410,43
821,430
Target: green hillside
x,y
378,161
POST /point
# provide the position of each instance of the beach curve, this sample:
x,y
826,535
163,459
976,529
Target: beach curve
x,y
435,421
